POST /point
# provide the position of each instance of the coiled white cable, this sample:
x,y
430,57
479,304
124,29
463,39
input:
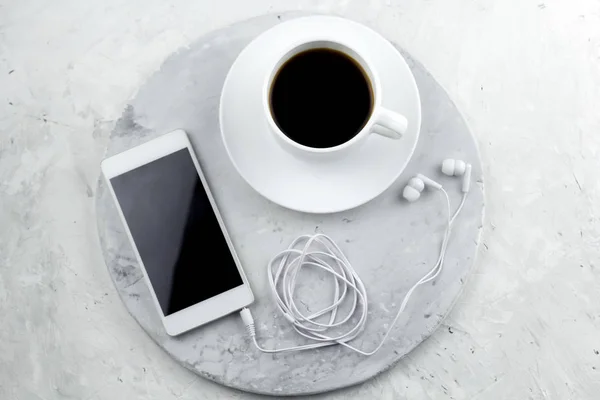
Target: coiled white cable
x,y
320,251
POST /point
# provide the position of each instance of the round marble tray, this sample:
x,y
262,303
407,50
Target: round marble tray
x,y
391,243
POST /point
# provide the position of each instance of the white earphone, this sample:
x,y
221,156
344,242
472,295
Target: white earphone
x,y
320,251
450,167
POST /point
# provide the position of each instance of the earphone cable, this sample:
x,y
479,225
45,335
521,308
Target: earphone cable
x,y
322,252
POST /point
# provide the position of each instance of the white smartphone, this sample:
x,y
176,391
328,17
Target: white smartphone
x,y
177,233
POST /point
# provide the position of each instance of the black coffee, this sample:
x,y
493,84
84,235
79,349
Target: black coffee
x,y
321,98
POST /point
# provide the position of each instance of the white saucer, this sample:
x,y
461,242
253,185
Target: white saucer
x,y
301,184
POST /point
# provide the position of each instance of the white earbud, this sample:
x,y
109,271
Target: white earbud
x,y
412,191
453,167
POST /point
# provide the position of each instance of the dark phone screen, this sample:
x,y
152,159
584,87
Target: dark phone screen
x,y
176,232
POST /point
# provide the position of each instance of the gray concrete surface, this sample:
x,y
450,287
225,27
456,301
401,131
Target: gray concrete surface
x,y
526,76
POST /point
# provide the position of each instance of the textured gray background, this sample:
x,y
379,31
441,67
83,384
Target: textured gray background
x,y
524,74
390,243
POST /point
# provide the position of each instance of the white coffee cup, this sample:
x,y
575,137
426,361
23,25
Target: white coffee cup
x,y
381,121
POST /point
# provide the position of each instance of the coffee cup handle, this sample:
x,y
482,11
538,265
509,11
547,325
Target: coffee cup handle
x,y
395,123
